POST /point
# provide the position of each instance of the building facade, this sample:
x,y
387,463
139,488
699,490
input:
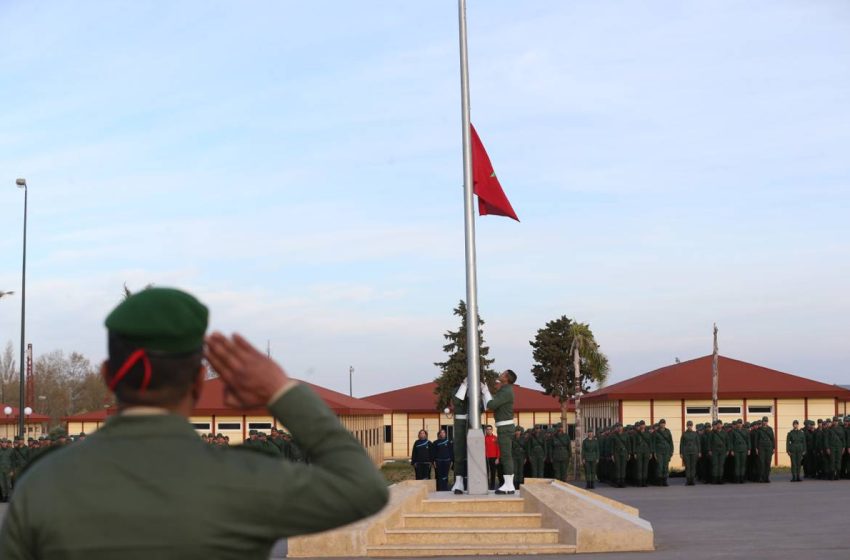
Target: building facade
x,y
363,419
415,408
682,392
35,425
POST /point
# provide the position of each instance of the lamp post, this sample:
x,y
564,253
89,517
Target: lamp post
x,y
22,184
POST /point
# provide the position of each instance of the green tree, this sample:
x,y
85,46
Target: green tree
x,y
562,348
453,370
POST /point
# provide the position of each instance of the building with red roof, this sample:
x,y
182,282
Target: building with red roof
x,y
414,408
35,424
363,419
682,392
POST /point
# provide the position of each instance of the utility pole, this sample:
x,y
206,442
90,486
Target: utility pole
x,y
350,381
715,379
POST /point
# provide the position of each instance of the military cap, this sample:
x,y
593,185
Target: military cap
x,y
219,435
160,319
519,428
662,421
764,419
690,423
820,421
253,433
746,424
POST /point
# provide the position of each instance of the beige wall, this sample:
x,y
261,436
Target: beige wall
x,y
10,430
74,428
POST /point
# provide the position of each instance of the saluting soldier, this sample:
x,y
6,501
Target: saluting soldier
x,y
144,485
560,451
589,457
689,449
663,451
502,405
795,446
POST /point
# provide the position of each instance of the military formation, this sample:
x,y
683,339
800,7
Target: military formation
x,y
716,453
276,443
16,455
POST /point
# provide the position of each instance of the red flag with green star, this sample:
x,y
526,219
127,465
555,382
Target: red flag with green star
x,y
491,197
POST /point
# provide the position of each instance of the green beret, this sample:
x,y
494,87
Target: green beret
x,y
160,319
253,433
690,423
662,421
764,419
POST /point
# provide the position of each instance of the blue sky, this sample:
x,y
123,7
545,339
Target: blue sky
x,y
297,166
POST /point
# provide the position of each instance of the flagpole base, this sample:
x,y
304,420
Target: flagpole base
x,y
476,463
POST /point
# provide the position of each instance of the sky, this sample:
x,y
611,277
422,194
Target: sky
x,y
297,166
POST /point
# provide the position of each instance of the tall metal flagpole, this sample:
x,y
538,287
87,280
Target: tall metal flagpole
x,y
476,463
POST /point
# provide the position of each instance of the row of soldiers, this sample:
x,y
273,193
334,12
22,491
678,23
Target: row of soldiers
x,y
641,454
277,443
17,454
537,450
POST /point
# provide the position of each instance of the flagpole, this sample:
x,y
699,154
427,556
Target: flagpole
x,y
476,463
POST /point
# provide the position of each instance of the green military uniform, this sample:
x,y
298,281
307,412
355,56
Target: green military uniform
x,y
502,405
689,449
718,447
766,447
590,456
836,446
663,442
518,453
740,446
560,451
795,446
644,446
621,449
5,471
145,486
536,451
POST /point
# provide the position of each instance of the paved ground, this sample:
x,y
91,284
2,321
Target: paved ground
x,y
777,521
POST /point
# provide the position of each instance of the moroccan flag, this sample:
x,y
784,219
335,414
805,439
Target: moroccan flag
x,y
491,197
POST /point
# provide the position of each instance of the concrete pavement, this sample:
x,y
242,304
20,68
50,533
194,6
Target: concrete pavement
x,y
777,521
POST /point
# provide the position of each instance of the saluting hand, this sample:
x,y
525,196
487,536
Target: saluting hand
x,y
250,377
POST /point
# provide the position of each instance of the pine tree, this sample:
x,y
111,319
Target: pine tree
x,y
453,370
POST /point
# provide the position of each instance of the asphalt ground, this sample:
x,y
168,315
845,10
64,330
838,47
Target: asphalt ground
x,y
776,521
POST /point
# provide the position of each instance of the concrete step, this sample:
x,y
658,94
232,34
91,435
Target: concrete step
x,y
472,520
450,537
472,505
421,551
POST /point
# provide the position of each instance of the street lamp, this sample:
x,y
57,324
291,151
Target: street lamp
x,y
22,184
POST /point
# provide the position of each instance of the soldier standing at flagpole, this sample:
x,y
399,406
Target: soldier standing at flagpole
x,y
502,405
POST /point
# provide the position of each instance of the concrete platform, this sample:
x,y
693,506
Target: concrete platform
x,y
545,517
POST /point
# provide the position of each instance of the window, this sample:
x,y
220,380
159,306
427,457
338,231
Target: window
x,y
698,410
760,409
259,425
201,425
229,426
729,409
388,434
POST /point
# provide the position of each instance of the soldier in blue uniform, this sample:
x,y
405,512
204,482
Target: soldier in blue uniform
x,y
443,459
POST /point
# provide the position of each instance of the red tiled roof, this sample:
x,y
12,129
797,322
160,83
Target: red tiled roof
x,y
13,417
737,379
421,398
212,402
93,416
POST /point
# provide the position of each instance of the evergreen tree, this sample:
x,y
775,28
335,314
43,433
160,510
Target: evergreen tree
x,y
556,347
453,370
